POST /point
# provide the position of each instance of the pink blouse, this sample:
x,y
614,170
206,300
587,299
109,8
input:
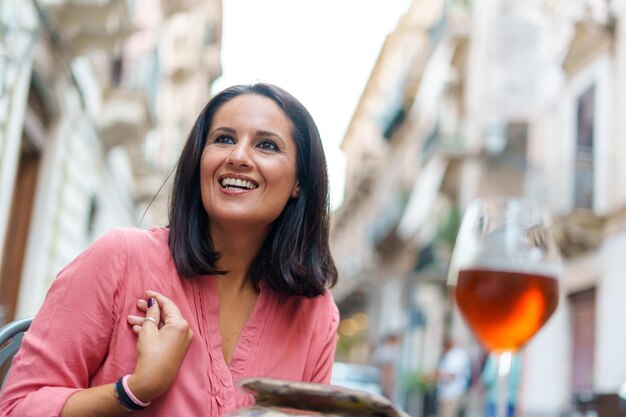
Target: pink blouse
x,y
80,337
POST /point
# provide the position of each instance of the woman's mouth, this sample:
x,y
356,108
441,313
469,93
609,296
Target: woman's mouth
x,y
238,183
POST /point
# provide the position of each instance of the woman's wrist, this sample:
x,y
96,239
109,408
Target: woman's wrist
x,y
139,388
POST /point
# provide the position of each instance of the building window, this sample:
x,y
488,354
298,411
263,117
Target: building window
x,y
583,308
583,162
394,123
116,70
91,215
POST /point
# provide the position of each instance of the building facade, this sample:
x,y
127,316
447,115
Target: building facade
x,y
520,99
81,85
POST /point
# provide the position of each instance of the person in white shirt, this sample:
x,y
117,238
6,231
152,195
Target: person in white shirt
x,y
453,376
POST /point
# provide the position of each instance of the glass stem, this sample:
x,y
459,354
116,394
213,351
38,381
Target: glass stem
x,y
502,389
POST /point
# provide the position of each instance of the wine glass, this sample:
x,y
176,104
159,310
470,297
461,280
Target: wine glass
x,y
505,270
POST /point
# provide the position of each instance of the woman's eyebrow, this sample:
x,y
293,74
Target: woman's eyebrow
x,y
268,133
223,129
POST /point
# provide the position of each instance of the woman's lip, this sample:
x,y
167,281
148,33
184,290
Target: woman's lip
x,y
234,190
237,177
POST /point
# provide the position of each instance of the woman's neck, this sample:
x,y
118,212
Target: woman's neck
x,y
237,251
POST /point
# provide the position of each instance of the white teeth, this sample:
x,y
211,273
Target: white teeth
x,y
236,182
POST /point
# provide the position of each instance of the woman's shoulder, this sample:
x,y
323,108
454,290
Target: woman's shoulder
x,y
325,301
128,238
321,308
134,234
118,246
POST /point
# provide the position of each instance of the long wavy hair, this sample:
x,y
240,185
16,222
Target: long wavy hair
x,y
295,258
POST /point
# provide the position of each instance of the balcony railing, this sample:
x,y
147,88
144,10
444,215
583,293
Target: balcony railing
x,y
582,183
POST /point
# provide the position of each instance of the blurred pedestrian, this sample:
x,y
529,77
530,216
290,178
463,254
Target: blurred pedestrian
x,y
452,377
385,358
168,320
489,378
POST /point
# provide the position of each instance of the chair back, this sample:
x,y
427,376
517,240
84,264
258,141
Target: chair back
x,y
10,340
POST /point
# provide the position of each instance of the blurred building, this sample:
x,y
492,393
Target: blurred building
x,y
391,165
480,98
96,97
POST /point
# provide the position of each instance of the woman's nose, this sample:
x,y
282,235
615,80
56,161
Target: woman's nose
x,y
239,156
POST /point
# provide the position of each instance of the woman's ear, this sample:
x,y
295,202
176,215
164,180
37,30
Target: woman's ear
x,y
296,190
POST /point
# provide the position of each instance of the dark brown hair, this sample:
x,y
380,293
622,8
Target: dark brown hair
x,y
295,258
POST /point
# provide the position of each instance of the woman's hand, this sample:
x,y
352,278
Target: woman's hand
x,y
164,338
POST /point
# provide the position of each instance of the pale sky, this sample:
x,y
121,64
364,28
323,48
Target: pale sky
x,y
321,51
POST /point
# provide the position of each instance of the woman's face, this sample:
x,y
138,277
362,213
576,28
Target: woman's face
x,y
248,166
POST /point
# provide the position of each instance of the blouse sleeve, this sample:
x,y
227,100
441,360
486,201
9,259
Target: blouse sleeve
x,y
324,366
70,335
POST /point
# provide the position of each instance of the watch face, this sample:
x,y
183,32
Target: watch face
x,y
275,397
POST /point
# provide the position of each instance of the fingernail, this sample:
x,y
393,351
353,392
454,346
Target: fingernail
x,y
151,301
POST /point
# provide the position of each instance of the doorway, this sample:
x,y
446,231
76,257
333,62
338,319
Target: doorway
x,y
36,122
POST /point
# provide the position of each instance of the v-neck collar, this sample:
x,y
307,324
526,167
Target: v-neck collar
x,y
207,309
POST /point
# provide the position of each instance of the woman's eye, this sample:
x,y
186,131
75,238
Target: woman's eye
x,y
268,145
224,139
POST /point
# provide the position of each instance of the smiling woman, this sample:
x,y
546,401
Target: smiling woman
x,y
242,122
236,286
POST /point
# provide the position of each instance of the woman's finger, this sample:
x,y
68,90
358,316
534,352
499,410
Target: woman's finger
x,y
135,320
167,307
154,310
153,314
142,304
